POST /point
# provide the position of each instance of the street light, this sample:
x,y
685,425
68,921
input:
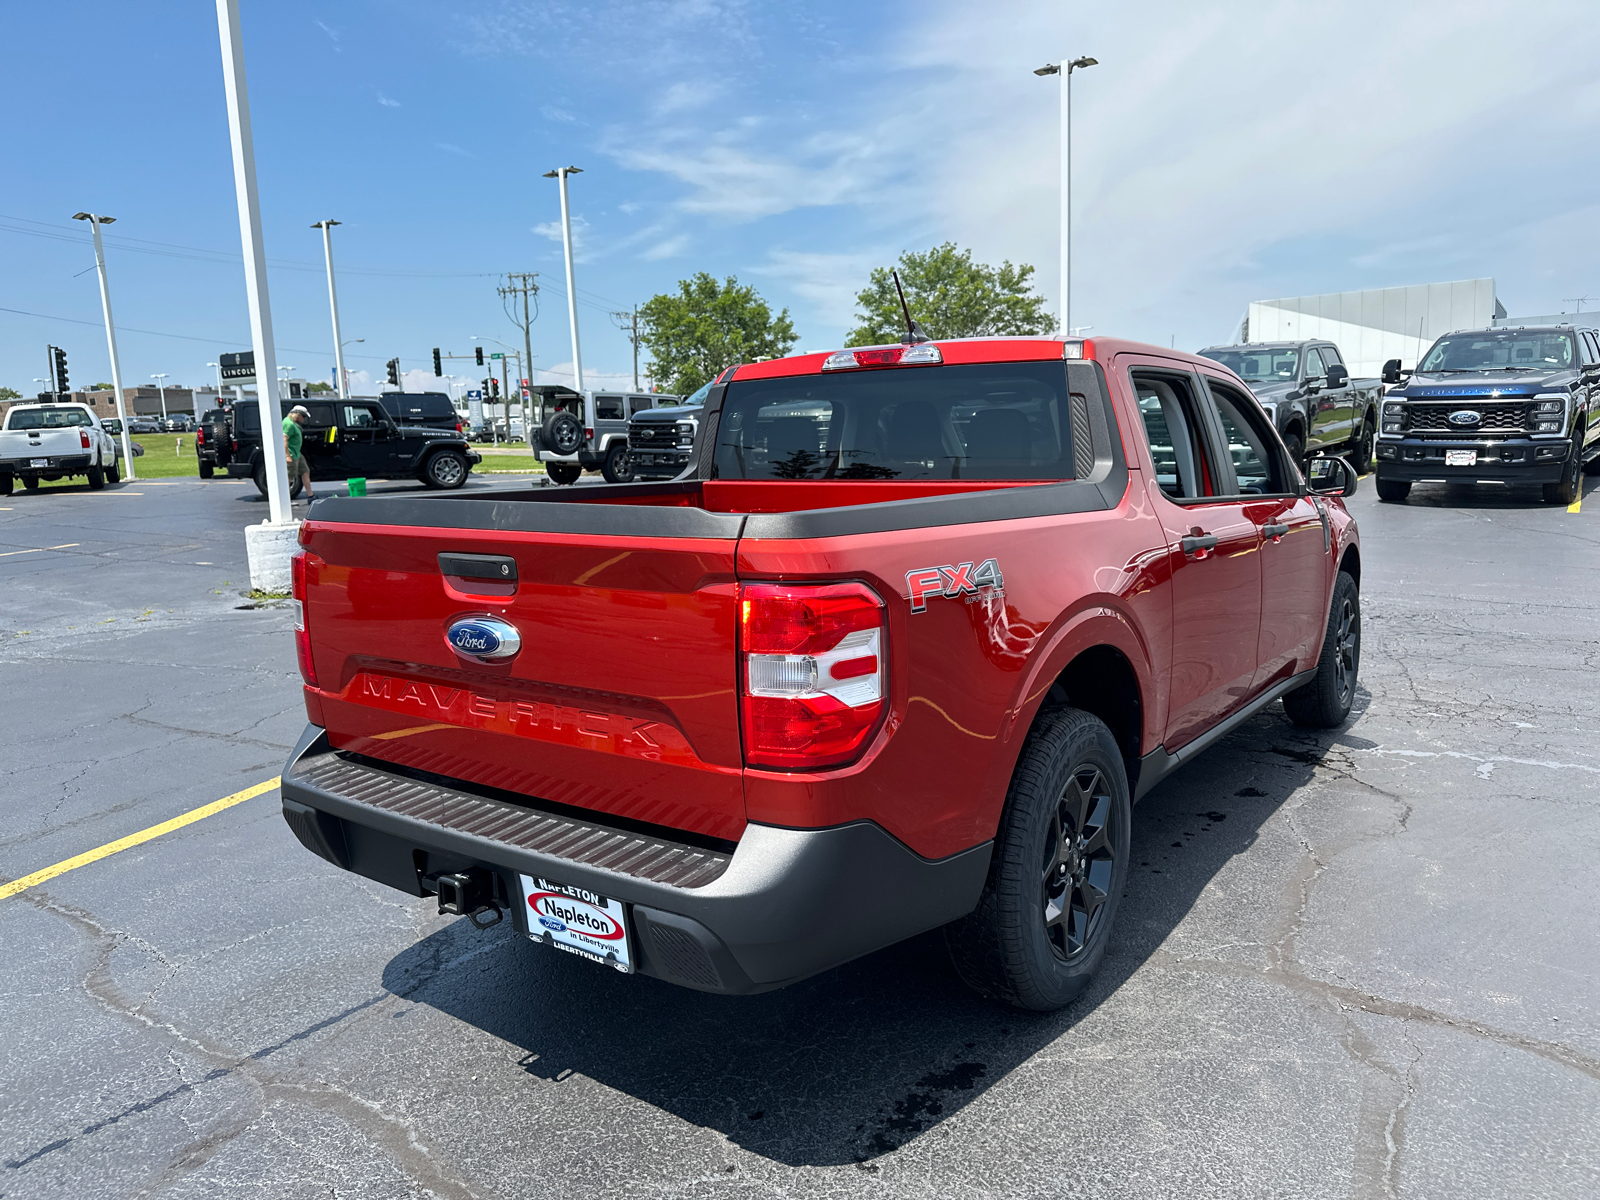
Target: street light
x,y
560,175
333,302
344,379
1066,69
95,221
161,382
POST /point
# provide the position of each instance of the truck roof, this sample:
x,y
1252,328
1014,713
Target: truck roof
x,y
954,351
1269,345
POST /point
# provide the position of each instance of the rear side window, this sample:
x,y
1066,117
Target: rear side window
x,y
1172,427
358,416
48,418
608,408
638,404
1257,470
969,421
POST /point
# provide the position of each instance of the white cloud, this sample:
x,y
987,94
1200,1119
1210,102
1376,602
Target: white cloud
x,y
672,247
562,374
829,281
452,148
551,113
333,35
387,102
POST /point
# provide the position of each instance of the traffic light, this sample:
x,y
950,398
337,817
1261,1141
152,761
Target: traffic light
x,y
478,354
60,357
394,371
494,388
438,367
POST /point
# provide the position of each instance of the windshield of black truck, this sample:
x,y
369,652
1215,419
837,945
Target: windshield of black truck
x,y
1501,349
1258,366
973,421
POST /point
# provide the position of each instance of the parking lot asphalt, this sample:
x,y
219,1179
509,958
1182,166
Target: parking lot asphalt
x,y
1354,964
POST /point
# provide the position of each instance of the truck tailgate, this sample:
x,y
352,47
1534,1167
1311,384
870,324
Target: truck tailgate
x,y
621,700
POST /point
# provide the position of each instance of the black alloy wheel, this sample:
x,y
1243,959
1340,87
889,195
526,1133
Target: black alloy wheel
x,y
1325,701
1361,449
1079,862
1057,871
617,468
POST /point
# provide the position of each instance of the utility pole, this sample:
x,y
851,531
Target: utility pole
x,y
255,258
95,222
629,324
525,283
333,303
560,176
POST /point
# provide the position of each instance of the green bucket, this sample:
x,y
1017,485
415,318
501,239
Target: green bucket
x,y
358,487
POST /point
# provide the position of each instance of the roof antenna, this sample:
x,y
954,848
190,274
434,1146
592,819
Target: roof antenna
x,y
913,333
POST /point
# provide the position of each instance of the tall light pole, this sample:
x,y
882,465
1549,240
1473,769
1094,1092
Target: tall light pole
x,y
333,302
560,175
161,382
344,378
255,255
1065,69
111,335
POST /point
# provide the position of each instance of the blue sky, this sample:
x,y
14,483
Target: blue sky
x,y
1224,153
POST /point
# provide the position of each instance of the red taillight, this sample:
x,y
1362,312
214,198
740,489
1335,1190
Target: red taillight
x,y
84,435
200,435
918,354
588,434
814,672
302,636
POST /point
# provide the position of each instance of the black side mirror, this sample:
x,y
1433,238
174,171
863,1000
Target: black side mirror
x,y
1391,371
1330,476
1338,376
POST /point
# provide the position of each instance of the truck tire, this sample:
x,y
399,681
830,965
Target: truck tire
x,y
259,477
563,473
1325,701
1570,486
206,469
97,478
31,482
1039,933
1297,450
1361,448
562,432
1394,491
114,471
616,468
7,482
446,470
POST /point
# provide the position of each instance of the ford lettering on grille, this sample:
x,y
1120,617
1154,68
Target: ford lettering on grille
x,y
483,638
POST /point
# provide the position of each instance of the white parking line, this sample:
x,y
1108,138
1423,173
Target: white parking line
x,y
40,549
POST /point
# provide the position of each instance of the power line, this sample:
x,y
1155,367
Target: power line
x,y
22,312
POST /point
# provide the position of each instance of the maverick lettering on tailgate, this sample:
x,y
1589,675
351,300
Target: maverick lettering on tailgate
x,y
568,725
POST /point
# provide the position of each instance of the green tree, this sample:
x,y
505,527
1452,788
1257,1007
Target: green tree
x,y
707,326
950,296
101,387
319,388
9,394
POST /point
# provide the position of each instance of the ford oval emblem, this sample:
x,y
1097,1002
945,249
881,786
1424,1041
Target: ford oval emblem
x,y
1464,416
484,638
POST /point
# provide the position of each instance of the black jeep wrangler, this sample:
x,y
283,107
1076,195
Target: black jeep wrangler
x,y
354,438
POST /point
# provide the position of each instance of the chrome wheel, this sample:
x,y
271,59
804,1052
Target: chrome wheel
x,y
1079,861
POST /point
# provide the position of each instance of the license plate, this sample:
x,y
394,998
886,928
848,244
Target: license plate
x,y
38,462
1460,458
578,921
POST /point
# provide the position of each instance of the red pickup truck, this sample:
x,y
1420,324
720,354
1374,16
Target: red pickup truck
x,y
898,652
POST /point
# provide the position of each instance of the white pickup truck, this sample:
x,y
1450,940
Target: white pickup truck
x,y
53,441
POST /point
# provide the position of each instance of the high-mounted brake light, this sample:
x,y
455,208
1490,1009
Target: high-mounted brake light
x,y
302,636
815,672
1072,349
921,354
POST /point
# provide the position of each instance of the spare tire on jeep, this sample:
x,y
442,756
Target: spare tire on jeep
x,y
562,432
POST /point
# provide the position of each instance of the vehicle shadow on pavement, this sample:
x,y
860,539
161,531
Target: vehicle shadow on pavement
x,y
858,1061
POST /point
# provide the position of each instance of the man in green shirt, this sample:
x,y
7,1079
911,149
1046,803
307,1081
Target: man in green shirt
x,y
299,468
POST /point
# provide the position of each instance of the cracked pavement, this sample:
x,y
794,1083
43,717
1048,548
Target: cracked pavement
x,y
1353,964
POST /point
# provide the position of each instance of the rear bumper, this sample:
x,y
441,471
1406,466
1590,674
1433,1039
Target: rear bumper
x,y
72,463
239,470
781,905
1507,460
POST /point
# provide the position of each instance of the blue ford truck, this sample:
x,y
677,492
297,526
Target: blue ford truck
x,y
1500,406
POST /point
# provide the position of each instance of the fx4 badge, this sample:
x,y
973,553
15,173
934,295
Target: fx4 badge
x,y
951,582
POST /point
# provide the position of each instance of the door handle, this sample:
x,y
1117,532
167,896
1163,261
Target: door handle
x,y
1274,531
1198,545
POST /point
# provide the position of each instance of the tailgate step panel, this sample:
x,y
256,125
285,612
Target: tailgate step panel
x,y
623,851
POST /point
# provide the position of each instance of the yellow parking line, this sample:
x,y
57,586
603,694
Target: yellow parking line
x,y
1576,505
40,549
135,839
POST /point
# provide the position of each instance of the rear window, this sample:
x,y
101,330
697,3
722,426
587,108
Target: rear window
x,y
972,421
47,418
247,416
418,405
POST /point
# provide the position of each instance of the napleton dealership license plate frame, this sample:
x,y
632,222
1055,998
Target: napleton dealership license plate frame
x,y
1460,458
38,462
578,921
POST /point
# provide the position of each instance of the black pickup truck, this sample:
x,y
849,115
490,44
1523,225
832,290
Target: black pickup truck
x,y
1307,391
1509,405
213,441
354,438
